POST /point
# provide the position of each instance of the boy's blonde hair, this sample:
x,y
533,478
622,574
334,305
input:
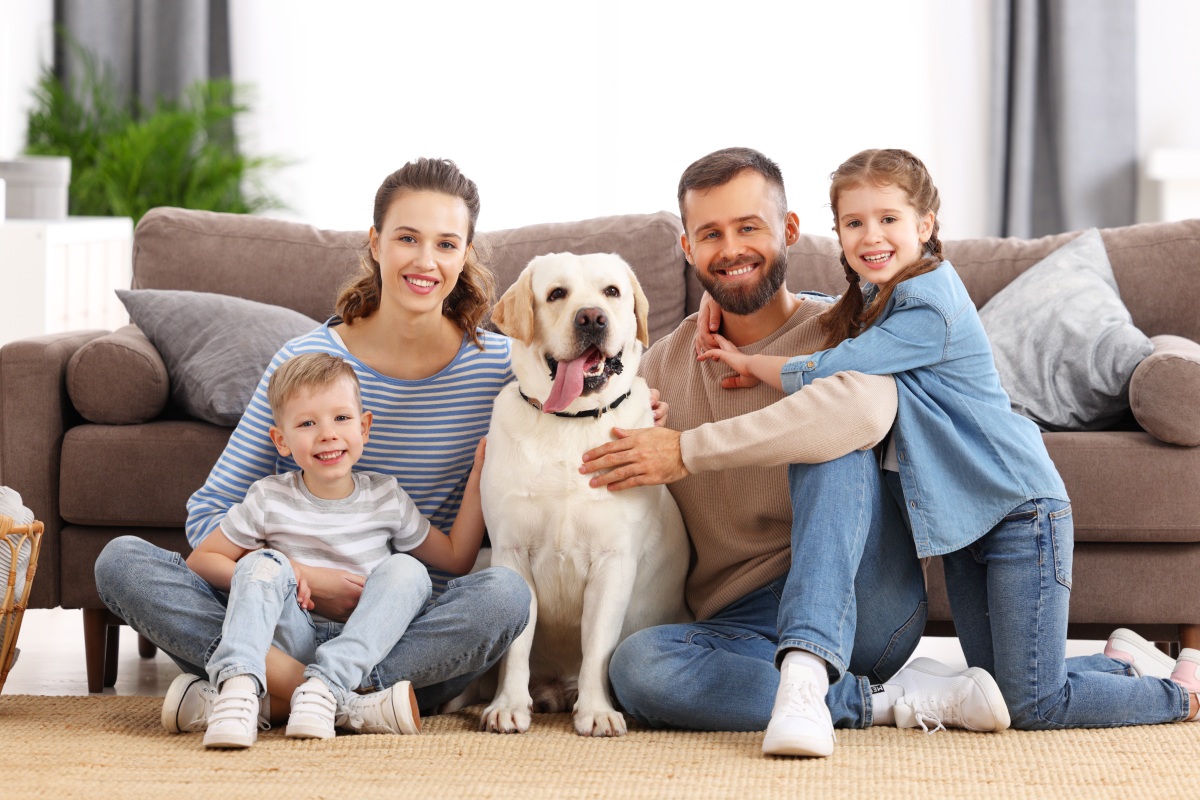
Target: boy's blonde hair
x,y
308,372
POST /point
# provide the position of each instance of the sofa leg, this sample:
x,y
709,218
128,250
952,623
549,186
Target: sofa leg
x,y
96,647
112,644
146,648
1189,636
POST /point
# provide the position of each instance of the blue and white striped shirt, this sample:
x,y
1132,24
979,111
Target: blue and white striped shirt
x,y
424,432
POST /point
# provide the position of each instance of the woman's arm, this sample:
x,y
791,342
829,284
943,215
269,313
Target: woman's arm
x,y
457,552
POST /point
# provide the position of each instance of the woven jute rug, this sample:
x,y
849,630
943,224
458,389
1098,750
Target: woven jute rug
x,y
114,747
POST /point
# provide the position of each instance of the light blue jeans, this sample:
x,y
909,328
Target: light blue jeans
x,y
855,595
1009,593
450,643
262,610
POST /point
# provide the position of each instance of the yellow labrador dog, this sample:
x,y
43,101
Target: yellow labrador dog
x,y
600,564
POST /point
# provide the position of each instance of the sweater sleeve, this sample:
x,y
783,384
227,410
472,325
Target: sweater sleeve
x,y
247,457
831,418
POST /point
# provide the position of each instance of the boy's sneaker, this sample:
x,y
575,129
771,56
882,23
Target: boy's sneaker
x,y
800,722
233,720
1187,670
313,710
1143,656
935,693
394,710
189,701
187,704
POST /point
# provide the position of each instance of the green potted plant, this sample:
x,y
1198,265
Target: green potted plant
x,y
127,158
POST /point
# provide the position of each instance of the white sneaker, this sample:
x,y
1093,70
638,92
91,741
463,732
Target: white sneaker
x,y
800,722
1187,670
189,701
394,710
935,693
313,711
233,720
187,704
1143,656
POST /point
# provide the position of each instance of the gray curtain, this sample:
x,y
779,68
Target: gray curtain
x,y
153,48
1064,116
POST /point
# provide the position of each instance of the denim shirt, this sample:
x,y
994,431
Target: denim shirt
x,y
966,458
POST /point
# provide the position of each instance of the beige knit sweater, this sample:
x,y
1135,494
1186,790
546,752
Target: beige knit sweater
x,y
737,444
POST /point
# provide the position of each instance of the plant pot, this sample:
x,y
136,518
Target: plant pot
x,y
36,187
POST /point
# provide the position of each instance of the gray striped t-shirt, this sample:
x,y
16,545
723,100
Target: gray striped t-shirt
x,y
356,533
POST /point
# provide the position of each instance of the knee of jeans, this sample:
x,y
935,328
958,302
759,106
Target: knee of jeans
x,y
404,571
264,566
507,589
113,564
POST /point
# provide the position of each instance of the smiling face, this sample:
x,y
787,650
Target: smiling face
x,y
324,429
880,231
737,238
420,250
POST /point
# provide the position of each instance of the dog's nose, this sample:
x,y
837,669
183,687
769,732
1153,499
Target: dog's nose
x,y
591,319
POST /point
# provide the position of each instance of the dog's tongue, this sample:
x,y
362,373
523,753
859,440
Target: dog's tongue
x,y
568,384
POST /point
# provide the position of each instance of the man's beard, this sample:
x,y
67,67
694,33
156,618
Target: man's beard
x,y
744,300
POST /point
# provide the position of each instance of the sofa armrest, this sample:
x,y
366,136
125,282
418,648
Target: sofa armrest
x,y
35,412
1164,388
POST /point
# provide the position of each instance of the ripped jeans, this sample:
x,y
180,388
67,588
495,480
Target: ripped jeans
x,y
262,610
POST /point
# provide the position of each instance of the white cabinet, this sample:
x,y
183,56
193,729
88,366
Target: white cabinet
x,y
59,275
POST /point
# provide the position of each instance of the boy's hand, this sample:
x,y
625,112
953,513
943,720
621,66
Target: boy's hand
x,y
659,408
708,322
728,354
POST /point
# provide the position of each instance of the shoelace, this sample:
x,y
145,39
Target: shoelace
x,y
923,717
208,698
801,700
353,712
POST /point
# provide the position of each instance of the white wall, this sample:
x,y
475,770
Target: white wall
x,y
564,111
26,44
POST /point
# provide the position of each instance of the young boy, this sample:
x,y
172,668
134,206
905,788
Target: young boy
x,y
327,516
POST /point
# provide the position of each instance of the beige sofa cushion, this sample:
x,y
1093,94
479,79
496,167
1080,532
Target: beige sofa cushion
x,y
118,379
1164,390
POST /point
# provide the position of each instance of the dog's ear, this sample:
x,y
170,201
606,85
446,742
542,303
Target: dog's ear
x,y
641,309
513,315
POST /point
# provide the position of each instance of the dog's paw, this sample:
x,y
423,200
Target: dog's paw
x,y
498,718
600,723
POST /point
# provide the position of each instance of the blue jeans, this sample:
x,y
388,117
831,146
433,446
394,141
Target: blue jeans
x,y
453,641
1009,593
261,609
720,673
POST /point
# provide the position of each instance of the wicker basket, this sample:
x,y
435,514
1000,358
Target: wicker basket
x,y
13,540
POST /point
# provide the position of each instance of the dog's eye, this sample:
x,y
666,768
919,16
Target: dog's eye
x,y
612,291
556,294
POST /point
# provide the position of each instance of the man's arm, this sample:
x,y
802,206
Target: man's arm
x,y
826,420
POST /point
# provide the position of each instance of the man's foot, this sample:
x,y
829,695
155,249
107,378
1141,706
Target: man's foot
x,y
800,722
313,711
233,720
394,710
935,693
1143,656
187,704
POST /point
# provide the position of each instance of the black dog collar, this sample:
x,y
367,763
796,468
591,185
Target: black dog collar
x,y
591,412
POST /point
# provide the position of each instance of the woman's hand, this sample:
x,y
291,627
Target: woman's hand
x,y
726,352
659,408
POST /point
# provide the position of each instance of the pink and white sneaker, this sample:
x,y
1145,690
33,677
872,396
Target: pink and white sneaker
x,y
1146,659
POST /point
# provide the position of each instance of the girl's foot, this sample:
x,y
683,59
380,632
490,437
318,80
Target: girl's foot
x,y
1187,675
1146,659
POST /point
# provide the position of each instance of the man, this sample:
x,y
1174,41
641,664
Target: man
x,y
726,472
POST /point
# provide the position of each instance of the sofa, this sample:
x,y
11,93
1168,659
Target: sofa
x,y
98,444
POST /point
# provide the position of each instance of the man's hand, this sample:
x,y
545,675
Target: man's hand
x,y
333,593
641,457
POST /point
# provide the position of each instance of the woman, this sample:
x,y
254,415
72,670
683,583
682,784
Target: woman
x,y
408,326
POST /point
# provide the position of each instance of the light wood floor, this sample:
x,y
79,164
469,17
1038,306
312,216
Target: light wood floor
x,y
51,660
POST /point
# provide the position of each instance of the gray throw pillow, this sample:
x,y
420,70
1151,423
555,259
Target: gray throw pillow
x,y
1065,345
216,347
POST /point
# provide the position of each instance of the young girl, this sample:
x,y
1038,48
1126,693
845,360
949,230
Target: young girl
x,y
973,477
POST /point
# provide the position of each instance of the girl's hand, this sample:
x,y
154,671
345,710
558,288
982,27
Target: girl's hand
x,y
477,464
708,322
658,408
728,354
